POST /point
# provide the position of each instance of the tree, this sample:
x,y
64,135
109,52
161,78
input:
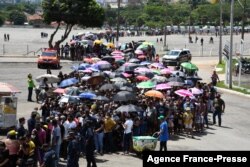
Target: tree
x,y
18,18
1,20
87,13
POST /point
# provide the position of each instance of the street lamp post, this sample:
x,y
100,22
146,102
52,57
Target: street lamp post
x,y
118,21
231,43
220,44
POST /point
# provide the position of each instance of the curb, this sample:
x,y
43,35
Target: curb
x,y
232,92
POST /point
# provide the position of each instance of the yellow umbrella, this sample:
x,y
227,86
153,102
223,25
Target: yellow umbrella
x,y
95,59
98,42
110,45
147,43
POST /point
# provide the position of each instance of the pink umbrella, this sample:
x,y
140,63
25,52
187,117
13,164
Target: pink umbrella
x,y
196,91
163,86
72,42
118,57
142,69
139,52
183,93
117,52
7,88
102,62
166,71
127,75
86,71
157,65
59,91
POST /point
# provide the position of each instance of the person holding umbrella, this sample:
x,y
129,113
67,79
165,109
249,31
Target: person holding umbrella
x,y
163,133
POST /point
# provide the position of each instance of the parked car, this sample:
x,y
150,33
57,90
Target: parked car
x,y
48,58
176,57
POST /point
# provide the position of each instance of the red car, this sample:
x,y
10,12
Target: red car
x,y
48,58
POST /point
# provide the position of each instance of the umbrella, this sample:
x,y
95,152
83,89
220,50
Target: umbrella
x,y
142,70
127,88
95,59
96,80
145,63
120,61
139,52
68,82
98,42
178,73
175,79
118,57
85,78
69,99
119,79
129,108
142,57
127,68
103,65
154,93
157,65
159,79
183,93
82,66
100,98
87,95
189,66
142,78
124,96
51,78
166,71
195,91
59,90
134,60
73,91
147,84
126,75
158,72
107,87
142,47
147,43
109,59
117,52
72,42
122,84
163,86
110,45
7,88
194,78
173,83
86,70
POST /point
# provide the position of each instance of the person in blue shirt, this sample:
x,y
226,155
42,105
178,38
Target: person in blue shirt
x,y
163,133
50,156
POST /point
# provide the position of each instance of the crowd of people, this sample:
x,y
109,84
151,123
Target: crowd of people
x,y
87,125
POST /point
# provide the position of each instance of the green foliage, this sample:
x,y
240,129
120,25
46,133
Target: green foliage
x,y
18,18
1,20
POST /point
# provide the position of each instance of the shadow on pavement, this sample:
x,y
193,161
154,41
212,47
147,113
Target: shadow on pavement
x,y
175,137
98,160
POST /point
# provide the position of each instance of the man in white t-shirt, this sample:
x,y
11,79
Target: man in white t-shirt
x,y
69,125
128,125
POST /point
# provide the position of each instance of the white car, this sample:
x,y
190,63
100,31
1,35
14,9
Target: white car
x,y
176,57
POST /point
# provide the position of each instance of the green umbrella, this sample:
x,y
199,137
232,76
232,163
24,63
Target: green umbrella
x,y
147,84
158,72
142,46
189,66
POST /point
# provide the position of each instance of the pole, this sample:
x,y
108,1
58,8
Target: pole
x,y
220,44
165,36
231,43
118,22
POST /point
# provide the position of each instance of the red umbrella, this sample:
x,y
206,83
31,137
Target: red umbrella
x,y
7,88
142,78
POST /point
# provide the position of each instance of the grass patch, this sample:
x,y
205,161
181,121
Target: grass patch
x,y
241,90
223,66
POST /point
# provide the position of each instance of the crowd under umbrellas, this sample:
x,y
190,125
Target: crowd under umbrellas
x,y
118,86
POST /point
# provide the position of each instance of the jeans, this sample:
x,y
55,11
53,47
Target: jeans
x,y
99,141
30,90
163,145
126,141
216,112
109,142
56,148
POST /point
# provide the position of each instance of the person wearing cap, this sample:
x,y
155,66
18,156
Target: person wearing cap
x,y
50,157
163,133
4,155
188,121
13,146
219,108
31,85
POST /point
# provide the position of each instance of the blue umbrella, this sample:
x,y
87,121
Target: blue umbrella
x,y
82,66
87,95
68,82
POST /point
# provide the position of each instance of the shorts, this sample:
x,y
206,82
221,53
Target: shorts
x,y
188,126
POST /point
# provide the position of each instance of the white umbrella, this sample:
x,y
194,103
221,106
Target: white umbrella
x,y
51,78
